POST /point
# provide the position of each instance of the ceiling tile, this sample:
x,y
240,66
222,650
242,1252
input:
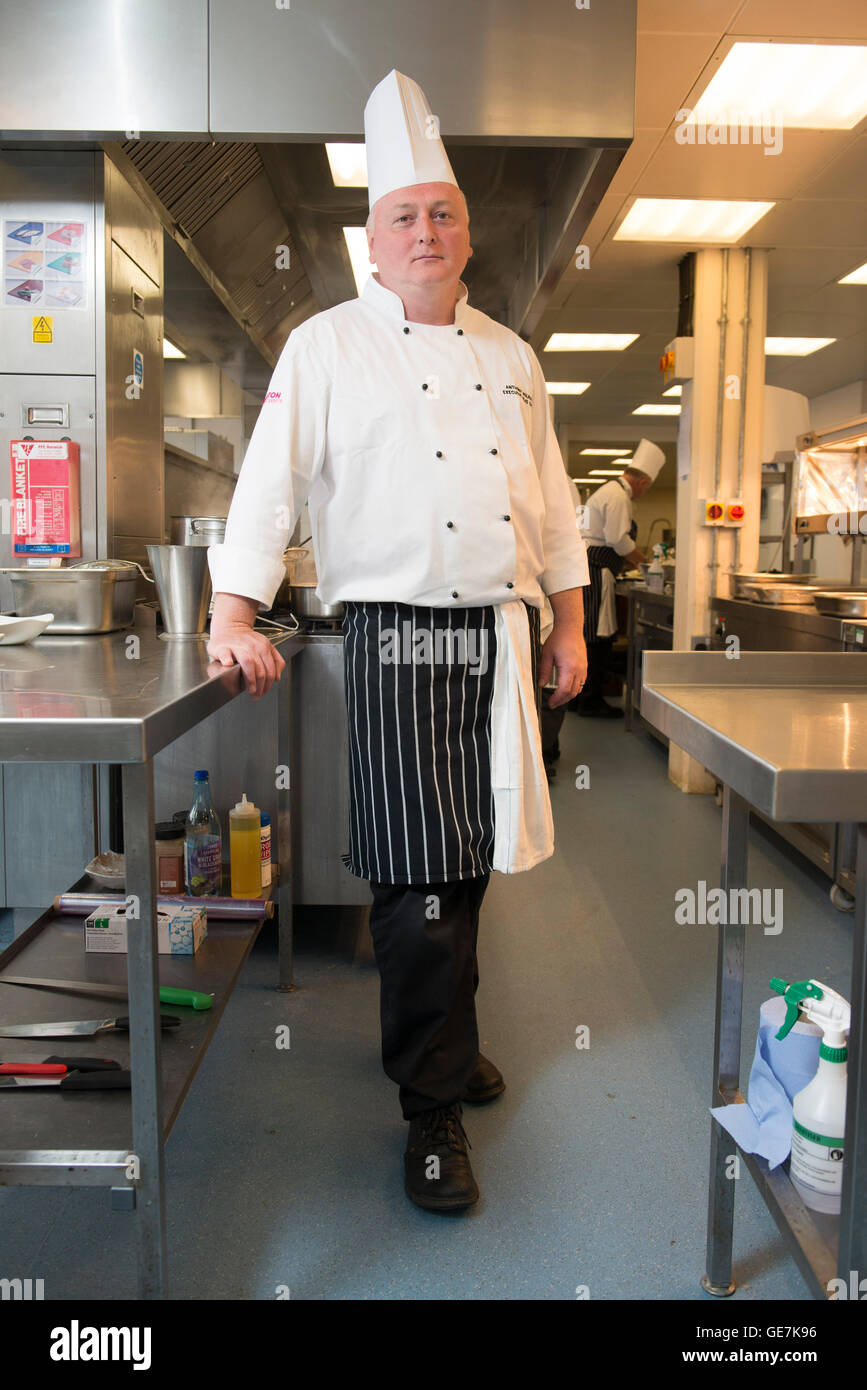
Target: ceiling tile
x,y
736,171
794,19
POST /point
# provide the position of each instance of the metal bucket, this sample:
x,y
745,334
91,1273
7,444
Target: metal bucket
x,y
198,530
183,583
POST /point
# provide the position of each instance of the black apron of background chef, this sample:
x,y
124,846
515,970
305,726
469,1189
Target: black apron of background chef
x,y
599,558
421,806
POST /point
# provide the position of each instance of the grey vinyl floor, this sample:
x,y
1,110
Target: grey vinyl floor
x,y
285,1168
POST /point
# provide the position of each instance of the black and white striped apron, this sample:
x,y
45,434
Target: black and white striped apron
x,y
420,802
599,558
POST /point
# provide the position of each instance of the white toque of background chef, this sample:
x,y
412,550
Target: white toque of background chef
x,y
418,431
609,533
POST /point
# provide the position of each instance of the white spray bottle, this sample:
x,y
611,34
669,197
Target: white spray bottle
x,y
819,1123
655,572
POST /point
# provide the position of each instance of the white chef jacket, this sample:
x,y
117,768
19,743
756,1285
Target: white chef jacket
x,y
608,517
432,473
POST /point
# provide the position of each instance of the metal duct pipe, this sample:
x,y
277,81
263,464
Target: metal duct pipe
x,y
720,400
742,422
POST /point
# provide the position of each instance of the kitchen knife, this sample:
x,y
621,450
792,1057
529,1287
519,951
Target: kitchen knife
x,y
90,1081
58,1066
191,998
32,1069
86,1028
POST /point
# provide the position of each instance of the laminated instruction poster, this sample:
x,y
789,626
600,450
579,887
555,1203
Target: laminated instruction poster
x,y
44,263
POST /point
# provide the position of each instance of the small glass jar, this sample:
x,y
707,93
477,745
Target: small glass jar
x,y
169,858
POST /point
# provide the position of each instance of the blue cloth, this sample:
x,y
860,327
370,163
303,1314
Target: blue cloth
x,y
780,1070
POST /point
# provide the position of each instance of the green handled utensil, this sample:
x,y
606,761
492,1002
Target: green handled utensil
x,y
190,998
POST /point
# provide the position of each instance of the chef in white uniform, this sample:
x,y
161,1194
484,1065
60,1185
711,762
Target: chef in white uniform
x,y
609,534
418,431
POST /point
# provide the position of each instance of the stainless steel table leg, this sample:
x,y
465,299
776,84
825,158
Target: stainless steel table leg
x,y
144,1010
727,1047
852,1249
284,834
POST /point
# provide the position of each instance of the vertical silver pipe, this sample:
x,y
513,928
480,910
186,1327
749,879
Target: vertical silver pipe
x,y
742,423
720,400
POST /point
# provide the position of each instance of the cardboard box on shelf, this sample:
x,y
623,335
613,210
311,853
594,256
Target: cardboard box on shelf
x,y
181,929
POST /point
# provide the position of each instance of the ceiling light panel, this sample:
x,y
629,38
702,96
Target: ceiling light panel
x,y
855,277
657,410
589,342
359,255
795,347
690,220
566,388
348,165
805,86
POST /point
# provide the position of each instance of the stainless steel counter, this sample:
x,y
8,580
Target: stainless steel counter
x,y
771,628
90,699
786,733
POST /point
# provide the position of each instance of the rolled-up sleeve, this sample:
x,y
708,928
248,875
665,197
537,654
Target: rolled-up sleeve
x,y
282,461
564,549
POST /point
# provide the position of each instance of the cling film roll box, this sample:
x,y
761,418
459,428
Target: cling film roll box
x,y
46,511
181,928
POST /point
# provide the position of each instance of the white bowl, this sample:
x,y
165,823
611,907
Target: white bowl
x,y
109,870
14,630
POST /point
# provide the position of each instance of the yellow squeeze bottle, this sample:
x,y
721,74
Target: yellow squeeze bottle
x,y
245,861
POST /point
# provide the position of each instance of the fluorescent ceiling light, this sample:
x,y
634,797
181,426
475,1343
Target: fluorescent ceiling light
x,y
170,350
606,472
589,342
348,165
356,244
673,391
587,480
689,219
807,86
657,410
566,388
795,347
855,277
615,453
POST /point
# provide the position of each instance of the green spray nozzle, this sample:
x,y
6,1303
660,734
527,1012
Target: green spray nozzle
x,y
793,994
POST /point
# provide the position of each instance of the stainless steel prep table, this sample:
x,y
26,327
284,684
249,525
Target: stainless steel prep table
x,y
104,699
649,626
786,733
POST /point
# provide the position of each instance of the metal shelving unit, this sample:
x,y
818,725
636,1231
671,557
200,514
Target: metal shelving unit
x,y
95,705
768,726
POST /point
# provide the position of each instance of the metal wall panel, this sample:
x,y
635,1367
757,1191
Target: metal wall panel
x,y
100,68
48,820
320,778
132,225
135,482
58,186
529,71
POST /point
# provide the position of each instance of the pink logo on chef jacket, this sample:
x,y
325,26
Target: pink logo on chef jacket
x,y
273,396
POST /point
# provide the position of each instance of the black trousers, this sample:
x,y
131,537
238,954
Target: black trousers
x,y
598,662
424,937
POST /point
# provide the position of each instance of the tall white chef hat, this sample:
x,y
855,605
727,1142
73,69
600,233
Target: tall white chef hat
x,y
402,138
648,459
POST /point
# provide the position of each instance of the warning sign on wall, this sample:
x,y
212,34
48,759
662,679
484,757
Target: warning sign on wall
x,y
43,328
